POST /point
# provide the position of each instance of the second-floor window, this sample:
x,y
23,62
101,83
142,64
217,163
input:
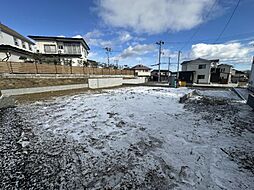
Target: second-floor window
x,y
72,48
203,66
50,48
16,42
23,45
30,47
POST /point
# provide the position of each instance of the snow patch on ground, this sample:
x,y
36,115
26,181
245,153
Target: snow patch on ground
x,y
143,138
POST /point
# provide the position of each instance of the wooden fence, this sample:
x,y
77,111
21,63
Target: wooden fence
x,y
35,68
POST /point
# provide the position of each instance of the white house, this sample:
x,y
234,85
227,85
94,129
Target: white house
x,y
141,71
201,69
251,80
72,51
13,46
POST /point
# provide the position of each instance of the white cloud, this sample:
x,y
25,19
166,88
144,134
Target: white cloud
x,y
153,16
94,34
77,36
92,55
137,50
93,38
125,37
229,52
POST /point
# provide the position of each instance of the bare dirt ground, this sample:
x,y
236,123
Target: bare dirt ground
x,y
130,138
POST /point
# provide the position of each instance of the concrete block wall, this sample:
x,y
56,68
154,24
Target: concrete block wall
x,y
95,83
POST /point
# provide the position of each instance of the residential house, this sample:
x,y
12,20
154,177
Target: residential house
x,y
239,76
164,75
14,46
62,50
225,71
199,70
141,71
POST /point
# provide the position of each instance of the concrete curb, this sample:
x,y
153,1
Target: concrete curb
x,y
23,91
238,94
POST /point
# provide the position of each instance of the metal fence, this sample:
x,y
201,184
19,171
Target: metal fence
x,y
35,68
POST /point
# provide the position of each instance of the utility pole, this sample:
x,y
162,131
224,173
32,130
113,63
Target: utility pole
x,y
178,64
108,50
159,64
169,63
168,67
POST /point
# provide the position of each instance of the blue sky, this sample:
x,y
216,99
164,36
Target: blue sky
x,y
132,27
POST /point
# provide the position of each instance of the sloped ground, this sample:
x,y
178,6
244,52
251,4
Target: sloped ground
x,y
129,138
13,83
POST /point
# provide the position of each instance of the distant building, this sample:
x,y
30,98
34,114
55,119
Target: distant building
x,y
239,76
141,71
164,75
221,74
199,70
14,47
67,51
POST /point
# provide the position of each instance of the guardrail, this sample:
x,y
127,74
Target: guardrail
x,y
35,68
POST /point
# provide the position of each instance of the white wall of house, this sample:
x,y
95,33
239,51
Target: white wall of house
x,y
201,75
7,39
143,73
40,47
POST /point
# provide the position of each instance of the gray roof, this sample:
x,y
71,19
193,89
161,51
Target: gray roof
x,y
12,32
61,39
140,67
200,60
225,65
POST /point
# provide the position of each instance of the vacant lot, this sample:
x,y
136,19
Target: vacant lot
x,y
129,138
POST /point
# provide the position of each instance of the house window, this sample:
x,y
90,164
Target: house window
x,y
23,45
60,46
222,70
16,41
72,48
30,47
50,48
203,66
201,76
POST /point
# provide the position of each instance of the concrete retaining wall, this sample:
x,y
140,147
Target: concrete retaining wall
x,y
6,75
95,83
139,80
21,91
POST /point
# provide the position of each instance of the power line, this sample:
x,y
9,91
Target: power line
x,y
199,27
230,18
212,39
